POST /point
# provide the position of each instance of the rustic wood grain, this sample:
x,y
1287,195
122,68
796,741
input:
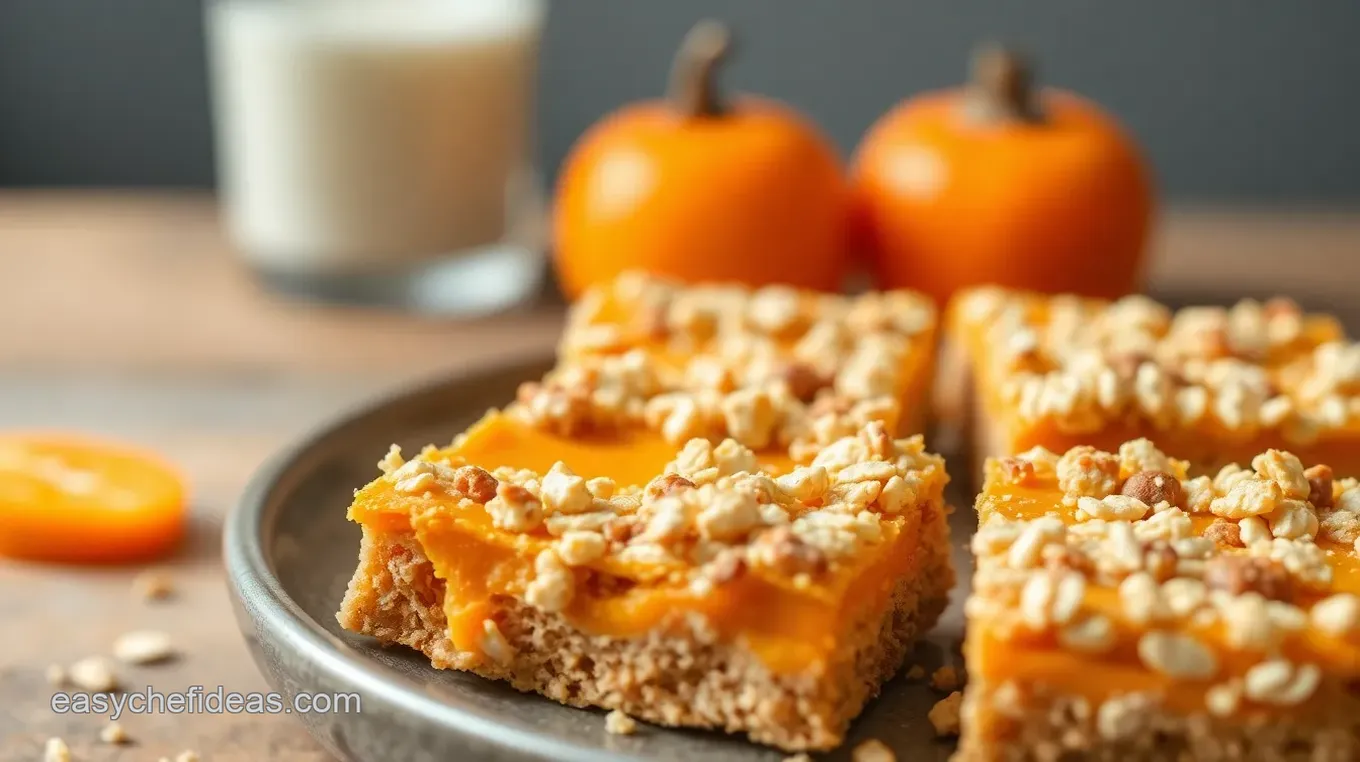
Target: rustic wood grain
x,y
127,315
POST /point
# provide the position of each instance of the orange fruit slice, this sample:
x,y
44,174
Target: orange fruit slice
x,y
68,499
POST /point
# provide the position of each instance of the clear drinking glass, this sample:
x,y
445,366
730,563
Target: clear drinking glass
x,y
379,151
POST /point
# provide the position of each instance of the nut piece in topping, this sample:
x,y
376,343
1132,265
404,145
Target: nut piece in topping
x,y
515,508
619,724
1247,497
1280,683
1142,455
803,381
667,484
474,483
580,547
93,674
1017,471
1319,486
1225,534
732,457
944,716
750,416
1177,656
494,643
1236,575
1112,508
1253,529
1124,716
143,647
564,492
1153,487
1284,469
392,460
729,516
1293,520
553,586
1223,699
805,483
1093,634
113,733
56,750
784,552
1086,471
1338,615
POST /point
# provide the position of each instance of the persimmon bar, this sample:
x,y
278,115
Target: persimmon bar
x,y
707,515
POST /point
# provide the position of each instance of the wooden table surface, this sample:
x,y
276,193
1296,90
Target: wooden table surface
x,y
126,315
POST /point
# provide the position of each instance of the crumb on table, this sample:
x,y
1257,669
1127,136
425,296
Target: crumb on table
x,y
873,750
945,678
944,716
619,724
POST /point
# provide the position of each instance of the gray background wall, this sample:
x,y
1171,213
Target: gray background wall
x,y
1233,100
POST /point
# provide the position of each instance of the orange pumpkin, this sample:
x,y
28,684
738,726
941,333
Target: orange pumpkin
x,y
996,183
699,188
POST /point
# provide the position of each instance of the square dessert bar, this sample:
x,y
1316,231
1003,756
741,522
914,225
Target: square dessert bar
x,y
824,351
1213,385
703,516
722,592
1122,611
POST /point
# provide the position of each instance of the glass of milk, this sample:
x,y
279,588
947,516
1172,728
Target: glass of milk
x,y
379,151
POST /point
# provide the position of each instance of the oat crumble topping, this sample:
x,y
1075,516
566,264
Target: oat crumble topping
x,y
709,517
772,367
1084,363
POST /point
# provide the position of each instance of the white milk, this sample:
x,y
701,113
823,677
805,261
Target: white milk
x,y
354,134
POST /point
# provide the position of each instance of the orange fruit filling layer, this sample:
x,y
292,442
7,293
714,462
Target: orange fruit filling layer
x,y
789,627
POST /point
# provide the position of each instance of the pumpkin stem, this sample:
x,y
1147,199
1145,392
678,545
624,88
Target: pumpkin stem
x,y
692,90
1001,88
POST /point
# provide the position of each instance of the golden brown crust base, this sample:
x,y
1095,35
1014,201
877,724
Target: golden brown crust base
x,y
680,675
1054,729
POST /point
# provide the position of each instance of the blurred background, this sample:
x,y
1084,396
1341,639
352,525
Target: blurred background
x,y
130,311
1252,101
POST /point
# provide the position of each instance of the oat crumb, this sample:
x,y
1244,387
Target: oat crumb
x,y
56,751
93,674
873,750
113,733
56,675
188,755
917,672
153,585
143,647
944,716
619,724
945,679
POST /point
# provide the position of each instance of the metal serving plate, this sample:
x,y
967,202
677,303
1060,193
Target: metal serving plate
x,y
290,553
